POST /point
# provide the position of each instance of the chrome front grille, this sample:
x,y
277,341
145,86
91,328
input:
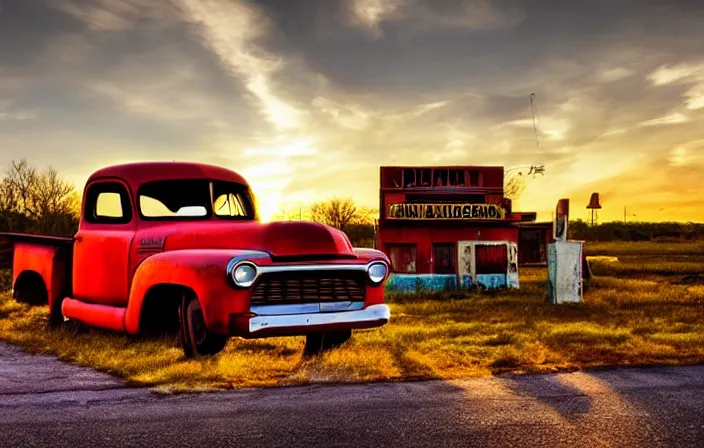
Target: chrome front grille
x,y
308,287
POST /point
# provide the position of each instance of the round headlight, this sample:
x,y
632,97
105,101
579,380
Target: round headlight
x,y
244,275
377,272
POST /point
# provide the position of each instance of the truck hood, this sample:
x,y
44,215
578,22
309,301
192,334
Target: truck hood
x,y
280,239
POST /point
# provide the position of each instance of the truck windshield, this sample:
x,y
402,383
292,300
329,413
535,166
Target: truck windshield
x,y
195,199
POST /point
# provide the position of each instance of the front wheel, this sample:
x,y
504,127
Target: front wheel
x,y
195,337
319,342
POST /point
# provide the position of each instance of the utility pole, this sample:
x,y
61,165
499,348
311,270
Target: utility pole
x,y
626,214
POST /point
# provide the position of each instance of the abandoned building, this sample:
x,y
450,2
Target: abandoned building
x,y
450,227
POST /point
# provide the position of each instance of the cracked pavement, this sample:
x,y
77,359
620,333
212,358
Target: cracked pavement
x,y
45,402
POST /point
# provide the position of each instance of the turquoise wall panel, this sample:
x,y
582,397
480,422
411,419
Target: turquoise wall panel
x,y
409,283
421,282
490,281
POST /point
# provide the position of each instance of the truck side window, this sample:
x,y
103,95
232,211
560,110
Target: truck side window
x,y
107,203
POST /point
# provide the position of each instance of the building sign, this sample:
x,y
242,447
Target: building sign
x,y
445,211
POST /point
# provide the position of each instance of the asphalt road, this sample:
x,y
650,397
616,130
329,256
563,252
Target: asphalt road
x,y
47,403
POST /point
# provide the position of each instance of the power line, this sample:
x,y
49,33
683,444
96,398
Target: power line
x,y
534,110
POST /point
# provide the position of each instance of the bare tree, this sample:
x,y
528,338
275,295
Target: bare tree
x,y
42,197
293,213
515,180
366,216
514,185
338,213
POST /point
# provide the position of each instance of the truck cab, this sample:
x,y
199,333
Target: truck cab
x,y
172,245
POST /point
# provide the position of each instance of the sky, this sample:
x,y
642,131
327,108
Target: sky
x,y
307,99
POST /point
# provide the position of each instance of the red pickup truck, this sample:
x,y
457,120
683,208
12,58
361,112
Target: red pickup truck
x,y
179,246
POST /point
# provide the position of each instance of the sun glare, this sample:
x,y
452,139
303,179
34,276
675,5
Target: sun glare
x,y
268,203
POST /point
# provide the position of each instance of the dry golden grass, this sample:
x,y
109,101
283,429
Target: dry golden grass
x,y
679,266
644,248
625,320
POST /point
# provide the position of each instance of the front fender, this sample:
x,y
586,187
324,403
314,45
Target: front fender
x,y
375,294
202,270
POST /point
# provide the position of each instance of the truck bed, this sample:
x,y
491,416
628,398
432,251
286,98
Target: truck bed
x,y
7,241
39,239
41,267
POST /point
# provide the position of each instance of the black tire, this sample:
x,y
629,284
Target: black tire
x,y
196,340
317,343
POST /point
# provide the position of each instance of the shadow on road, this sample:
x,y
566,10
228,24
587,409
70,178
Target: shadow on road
x,y
551,390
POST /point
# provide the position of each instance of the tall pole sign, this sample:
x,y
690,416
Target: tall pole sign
x,y
594,204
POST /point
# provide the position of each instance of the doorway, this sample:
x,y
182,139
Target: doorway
x,y
444,255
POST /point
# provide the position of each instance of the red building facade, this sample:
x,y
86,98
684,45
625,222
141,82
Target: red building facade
x,y
426,211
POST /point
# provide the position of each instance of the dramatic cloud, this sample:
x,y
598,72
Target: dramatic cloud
x,y
463,14
308,99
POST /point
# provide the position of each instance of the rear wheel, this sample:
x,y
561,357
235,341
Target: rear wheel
x,y
195,337
317,343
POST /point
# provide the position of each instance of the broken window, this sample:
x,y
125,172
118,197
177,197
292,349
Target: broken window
x,y
424,176
403,258
457,178
409,178
440,178
392,177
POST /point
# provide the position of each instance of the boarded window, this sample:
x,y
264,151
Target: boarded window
x,y
491,259
444,258
403,258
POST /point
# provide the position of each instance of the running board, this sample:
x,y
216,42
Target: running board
x,y
102,316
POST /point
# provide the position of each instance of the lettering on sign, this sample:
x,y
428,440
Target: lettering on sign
x,y
445,211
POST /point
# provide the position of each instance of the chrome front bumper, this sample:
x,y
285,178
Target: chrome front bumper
x,y
373,315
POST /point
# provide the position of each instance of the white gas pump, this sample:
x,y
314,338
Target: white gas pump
x,y
564,261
